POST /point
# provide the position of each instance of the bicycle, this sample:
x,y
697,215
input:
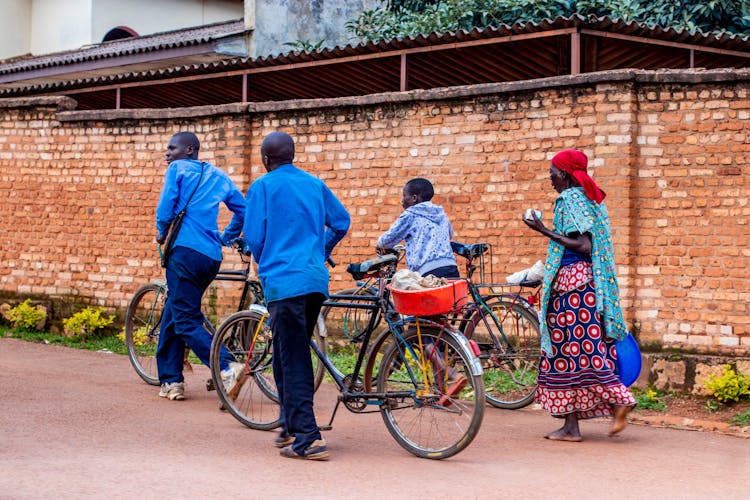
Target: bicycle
x,y
393,373
143,318
505,325
352,322
503,322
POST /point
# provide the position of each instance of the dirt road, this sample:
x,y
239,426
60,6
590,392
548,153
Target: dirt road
x,y
77,424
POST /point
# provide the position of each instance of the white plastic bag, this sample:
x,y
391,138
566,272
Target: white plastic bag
x,y
409,280
533,273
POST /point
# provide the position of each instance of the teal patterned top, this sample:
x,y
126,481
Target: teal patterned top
x,y
575,212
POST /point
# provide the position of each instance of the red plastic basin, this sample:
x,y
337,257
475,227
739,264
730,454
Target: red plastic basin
x,y
430,301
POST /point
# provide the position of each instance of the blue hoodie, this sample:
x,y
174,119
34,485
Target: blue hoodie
x,y
427,231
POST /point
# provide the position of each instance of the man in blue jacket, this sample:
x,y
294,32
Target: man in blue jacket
x,y
194,260
296,221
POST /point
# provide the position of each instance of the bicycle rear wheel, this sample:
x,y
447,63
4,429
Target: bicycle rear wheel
x,y
434,404
510,358
142,327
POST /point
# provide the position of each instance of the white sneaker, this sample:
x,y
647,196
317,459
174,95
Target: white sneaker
x,y
174,391
233,378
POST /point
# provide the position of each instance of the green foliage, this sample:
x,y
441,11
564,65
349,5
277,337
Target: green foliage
x,y
27,317
729,386
650,399
344,359
93,343
85,322
305,45
398,19
742,419
712,406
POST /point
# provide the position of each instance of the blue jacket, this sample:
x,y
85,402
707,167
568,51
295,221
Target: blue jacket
x,y
296,221
200,230
427,231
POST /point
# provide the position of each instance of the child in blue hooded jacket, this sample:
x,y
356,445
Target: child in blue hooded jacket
x,y
426,230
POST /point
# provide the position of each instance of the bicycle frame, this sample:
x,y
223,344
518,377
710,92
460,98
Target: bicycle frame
x,y
381,307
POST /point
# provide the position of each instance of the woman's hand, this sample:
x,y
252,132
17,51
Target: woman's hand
x,y
536,223
575,241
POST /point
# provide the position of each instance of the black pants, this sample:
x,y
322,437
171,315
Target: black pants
x,y
444,272
292,323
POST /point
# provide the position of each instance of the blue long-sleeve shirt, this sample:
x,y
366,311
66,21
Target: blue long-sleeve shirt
x,y
200,230
427,231
295,223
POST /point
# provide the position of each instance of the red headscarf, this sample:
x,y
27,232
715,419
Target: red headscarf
x,y
574,163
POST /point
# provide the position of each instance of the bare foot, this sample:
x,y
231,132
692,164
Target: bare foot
x,y
620,419
563,435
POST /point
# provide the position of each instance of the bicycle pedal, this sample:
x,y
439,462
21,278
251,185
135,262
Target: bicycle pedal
x,y
210,385
325,427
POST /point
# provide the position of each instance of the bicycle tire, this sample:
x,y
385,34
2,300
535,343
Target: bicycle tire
x,y
142,328
267,383
246,336
429,422
348,322
256,404
509,361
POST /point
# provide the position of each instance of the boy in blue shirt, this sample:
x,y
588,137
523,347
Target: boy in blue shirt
x,y
427,231
296,221
194,260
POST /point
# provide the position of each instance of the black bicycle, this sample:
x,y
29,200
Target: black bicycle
x,y
143,317
405,373
503,321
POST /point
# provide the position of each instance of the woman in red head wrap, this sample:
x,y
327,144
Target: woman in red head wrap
x,y
578,376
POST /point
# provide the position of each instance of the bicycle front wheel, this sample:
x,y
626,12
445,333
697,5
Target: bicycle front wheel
x,y
246,335
510,354
142,327
434,404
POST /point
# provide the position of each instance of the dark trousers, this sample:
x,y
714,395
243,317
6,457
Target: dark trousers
x,y
444,272
188,275
292,323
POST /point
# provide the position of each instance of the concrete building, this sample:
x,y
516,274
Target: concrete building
x,y
38,27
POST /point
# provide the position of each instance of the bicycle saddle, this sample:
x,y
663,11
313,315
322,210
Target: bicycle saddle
x,y
469,251
358,271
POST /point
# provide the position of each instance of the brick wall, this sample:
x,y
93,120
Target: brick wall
x,y
670,149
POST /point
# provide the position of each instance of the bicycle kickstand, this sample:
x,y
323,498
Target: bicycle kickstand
x,y
329,426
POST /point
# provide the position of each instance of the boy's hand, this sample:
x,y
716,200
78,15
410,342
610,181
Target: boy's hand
x,y
381,250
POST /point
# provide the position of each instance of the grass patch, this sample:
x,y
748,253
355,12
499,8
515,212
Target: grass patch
x,y
649,399
501,382
344,359
92,343
741,419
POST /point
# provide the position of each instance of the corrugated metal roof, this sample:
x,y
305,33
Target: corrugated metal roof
x,y
128,46
506,53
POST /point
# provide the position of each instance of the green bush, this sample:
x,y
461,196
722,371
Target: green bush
x,y
730,386
649,399
27,317
85,322
741,420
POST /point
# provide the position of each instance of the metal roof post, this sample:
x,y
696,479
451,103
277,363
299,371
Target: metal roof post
x,y
575,53
404,84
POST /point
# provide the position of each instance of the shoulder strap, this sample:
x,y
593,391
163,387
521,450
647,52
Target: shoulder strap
x,y
203,166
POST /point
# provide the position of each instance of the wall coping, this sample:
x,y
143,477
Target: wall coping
x,y
68,113
62,103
